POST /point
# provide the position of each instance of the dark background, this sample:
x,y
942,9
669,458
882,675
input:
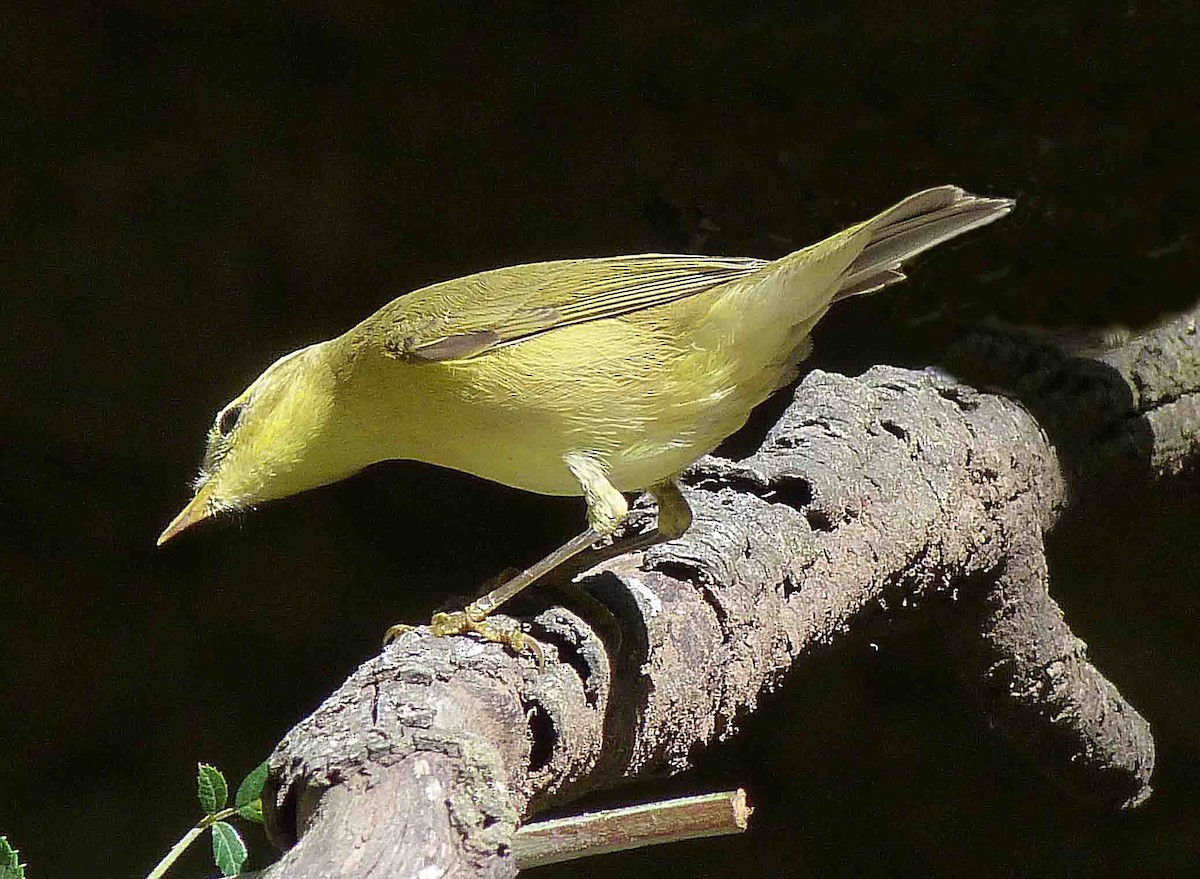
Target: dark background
x,y
190,192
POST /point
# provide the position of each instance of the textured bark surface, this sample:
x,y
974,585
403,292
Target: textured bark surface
x,y
1033,680
1117,407
899,494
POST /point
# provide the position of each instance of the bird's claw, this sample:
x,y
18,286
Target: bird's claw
x,y
472,622
396,631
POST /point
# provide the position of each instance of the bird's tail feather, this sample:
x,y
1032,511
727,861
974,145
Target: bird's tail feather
x,y
912,226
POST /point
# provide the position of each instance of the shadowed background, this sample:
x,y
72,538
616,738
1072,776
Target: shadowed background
x,y
193,190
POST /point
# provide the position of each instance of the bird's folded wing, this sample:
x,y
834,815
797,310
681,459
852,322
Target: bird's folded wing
x,y
459,319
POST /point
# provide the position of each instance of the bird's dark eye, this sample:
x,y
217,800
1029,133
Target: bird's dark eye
x,y
228,420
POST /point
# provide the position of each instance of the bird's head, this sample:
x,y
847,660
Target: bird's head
x,y
267,442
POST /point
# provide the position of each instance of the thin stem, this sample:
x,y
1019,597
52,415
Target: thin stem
x,y
187,839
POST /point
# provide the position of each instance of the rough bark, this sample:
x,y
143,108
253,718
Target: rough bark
x,y
897,494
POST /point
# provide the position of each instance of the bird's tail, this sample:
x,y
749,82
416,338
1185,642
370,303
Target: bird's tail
x,y
792,293
912,226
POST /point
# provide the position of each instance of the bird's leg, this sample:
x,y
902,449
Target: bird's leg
x,y
674,518
674,513
607,509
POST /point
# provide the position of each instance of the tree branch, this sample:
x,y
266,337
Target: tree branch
x,y
897,494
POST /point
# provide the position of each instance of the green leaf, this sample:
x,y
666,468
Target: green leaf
x,y
251,787
211,786
252,811
228,849
10,865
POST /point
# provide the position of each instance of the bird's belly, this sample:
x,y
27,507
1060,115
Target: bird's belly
x,y
532,457
645,413
527,446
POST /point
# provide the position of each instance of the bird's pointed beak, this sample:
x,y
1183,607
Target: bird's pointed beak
x,y
197,510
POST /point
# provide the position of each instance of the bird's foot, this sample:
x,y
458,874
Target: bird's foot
x,y
472,621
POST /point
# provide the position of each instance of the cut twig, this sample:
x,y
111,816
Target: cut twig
x,y
615,830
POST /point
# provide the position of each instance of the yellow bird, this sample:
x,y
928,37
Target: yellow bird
x,y
587,377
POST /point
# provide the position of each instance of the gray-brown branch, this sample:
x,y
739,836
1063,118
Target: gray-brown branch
x,y
898,493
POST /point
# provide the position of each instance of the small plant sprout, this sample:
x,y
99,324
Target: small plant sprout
x,y
229,851
10,865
